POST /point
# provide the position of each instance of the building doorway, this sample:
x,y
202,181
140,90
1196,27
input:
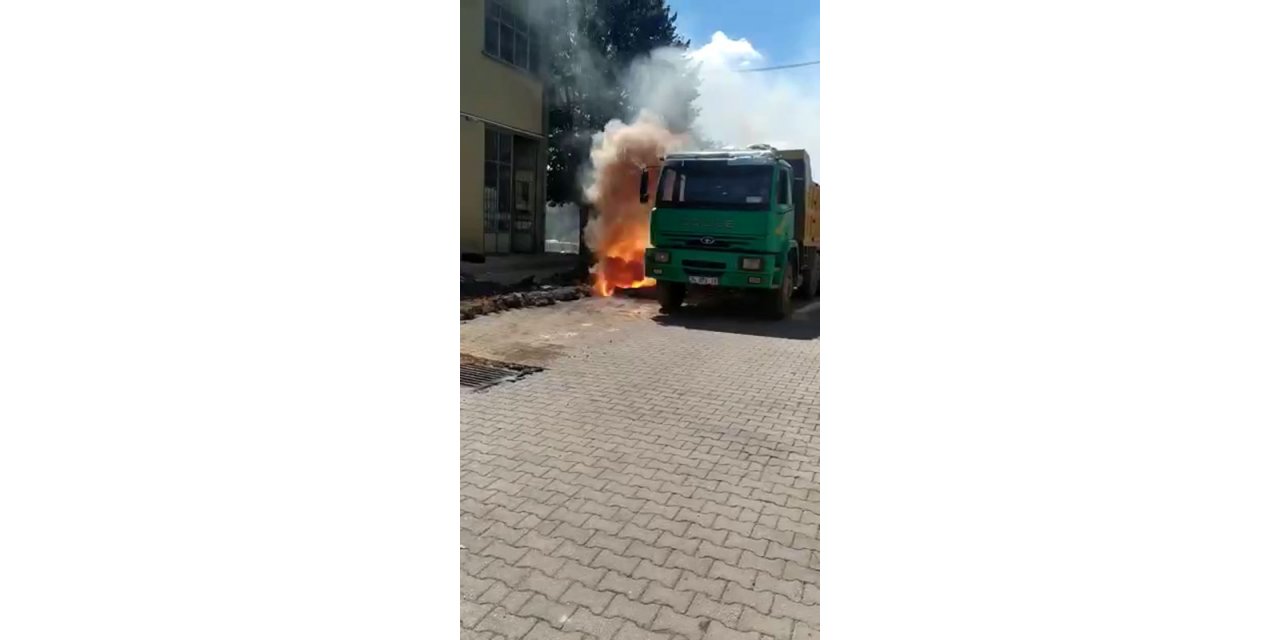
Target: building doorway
x,y
511,193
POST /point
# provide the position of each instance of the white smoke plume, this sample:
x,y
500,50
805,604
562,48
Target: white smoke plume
x,y
736,108
741,109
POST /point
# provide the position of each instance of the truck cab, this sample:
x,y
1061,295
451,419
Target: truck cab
x,y
742,220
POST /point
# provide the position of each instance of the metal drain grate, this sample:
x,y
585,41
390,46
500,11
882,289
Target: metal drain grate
x,y
478,373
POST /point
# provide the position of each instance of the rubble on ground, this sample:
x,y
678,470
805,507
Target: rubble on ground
x,y
482,298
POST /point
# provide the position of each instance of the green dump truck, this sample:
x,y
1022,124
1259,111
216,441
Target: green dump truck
x,y
741,220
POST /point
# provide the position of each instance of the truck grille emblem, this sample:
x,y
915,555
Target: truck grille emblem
x,y
708,240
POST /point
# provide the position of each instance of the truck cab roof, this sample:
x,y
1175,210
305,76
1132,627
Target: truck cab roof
x,y
761,156
757,154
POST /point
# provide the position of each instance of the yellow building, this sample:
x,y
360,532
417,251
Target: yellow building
x,y
504,146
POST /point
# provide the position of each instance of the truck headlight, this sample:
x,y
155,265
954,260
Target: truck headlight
x,y
752,264
661,257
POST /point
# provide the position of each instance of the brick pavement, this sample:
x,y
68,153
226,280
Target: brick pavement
x,y
657,482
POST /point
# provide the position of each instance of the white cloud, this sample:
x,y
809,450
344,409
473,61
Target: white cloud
x,y
740,109
722,52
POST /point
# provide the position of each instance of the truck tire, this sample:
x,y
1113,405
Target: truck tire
x,y
809,288
780,298
670,296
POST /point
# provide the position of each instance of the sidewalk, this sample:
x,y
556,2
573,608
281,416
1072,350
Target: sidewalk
x,y
510,269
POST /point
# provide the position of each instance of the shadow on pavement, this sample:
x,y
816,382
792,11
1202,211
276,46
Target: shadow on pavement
x,y
733,316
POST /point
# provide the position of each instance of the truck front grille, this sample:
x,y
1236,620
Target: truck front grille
x,y
705,273
713,242
703,264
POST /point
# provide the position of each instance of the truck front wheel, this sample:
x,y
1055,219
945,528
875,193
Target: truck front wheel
x,y
670,296
781,297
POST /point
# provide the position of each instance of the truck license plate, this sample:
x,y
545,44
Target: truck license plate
x,y
703,280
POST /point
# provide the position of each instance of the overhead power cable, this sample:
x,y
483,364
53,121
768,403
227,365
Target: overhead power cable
x,y
781,66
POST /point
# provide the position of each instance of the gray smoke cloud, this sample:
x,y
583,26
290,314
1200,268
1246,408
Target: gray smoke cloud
x,y
734,109
741,109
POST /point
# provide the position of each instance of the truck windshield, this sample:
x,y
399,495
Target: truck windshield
x,y
715,185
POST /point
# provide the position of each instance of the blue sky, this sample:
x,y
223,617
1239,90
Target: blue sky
x,y
783,31
773,107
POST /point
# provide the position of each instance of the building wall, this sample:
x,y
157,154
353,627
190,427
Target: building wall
x,y
492,89
505,96
471,168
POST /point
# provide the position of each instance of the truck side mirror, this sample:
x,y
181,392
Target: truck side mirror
x,y
644,185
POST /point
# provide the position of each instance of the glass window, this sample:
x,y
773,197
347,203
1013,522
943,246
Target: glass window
x,y
533,51
504,148
504,188
507,51
522,50
490,209
491,28
668,185
497,179
712,185
509,36
490,145
798,184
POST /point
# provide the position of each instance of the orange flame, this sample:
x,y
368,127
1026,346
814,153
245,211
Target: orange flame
x,y
620,257
618,232
620,273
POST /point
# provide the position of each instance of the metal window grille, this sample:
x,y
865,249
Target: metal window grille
x,y
497,181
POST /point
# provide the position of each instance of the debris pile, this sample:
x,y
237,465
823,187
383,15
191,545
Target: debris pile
x,y
482,298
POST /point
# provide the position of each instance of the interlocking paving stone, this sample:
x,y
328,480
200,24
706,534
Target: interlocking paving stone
x,y
768,626
638,612
804,632
540,607
719,631
544,631
592,625
675,622
608,498
472,612
504,623
761,601
784,606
